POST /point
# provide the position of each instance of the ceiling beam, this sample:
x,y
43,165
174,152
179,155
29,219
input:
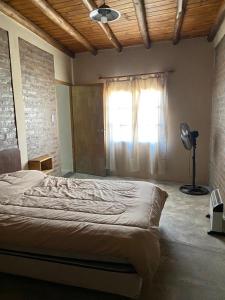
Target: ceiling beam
x,y
181,10
219,20
15,15
142,21
90,5
56,18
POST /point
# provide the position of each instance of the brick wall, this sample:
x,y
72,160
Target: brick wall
x,y
8,134
37,68
217,147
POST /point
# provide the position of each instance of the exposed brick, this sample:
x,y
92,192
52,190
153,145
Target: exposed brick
x,y
217,144
38,82
8,134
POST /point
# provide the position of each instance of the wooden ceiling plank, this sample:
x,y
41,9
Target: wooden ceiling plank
x,y
219,20
15,15
142,21
179,22
55,17
160,14
204,2
90,5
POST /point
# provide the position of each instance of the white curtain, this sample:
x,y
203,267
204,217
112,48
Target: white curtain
x,y
135,122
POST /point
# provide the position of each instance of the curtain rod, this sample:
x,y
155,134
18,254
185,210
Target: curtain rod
x,y
130,75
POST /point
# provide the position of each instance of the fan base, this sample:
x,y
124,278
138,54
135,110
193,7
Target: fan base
x,y
194,190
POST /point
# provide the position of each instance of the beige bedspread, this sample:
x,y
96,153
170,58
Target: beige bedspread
x,y
108,219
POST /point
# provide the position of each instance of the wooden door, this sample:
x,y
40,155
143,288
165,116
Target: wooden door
x,y
87,101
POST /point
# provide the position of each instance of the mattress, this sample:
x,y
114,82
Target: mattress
x,y
100,223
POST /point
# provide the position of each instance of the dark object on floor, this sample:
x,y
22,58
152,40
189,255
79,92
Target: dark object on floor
x,y
188,139
216,233
195,190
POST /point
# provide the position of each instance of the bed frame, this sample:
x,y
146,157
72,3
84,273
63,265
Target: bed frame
x,y
126,284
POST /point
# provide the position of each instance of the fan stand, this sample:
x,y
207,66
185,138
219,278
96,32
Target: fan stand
x,y
193,189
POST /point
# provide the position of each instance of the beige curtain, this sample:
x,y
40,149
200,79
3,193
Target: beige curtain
x,y
135,122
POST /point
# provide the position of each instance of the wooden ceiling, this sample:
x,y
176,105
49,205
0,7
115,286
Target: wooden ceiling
x,y
141,22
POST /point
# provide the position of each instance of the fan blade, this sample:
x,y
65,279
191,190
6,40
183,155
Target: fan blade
x,y
186,137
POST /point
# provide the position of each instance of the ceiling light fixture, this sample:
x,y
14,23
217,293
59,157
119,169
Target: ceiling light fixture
x,y
104,14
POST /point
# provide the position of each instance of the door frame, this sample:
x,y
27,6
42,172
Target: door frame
x,y
70,85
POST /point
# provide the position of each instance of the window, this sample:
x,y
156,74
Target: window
x,y
120,116
148,116
122,113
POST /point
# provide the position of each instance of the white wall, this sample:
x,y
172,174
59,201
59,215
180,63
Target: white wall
x,y
64,126
189,89
62,63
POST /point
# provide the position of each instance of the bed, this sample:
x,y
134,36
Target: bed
x,y
96,234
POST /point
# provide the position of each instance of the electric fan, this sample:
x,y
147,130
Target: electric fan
x,y
188,139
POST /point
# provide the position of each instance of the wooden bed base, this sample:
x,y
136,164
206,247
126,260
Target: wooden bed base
x,y
125,284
